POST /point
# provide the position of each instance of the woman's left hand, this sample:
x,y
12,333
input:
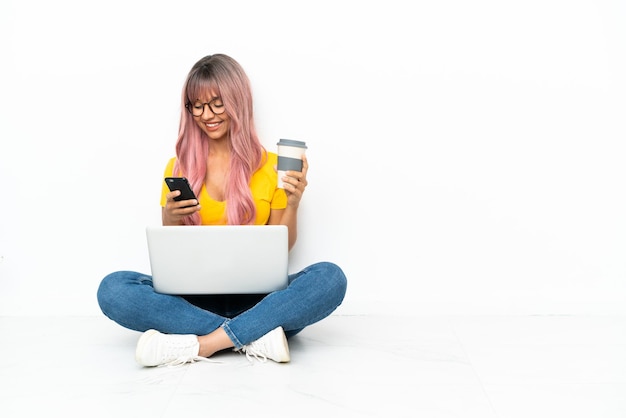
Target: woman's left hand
x,y
295,182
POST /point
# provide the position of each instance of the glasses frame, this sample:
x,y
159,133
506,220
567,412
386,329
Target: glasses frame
x,y
220,110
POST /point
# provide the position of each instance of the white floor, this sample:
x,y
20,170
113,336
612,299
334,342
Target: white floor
x,y
344,366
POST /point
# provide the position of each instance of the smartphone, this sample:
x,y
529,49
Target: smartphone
x,y
180,183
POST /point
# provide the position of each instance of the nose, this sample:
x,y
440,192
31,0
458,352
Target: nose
x,y
207,113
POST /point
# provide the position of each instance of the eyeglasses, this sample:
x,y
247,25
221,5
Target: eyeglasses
x,y
197,108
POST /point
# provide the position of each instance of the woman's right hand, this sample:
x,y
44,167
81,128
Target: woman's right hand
x,y
174,212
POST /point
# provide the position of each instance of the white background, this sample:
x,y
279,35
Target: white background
x,y
465,156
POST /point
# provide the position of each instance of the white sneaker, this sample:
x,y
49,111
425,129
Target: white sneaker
x,y
272,345
157,349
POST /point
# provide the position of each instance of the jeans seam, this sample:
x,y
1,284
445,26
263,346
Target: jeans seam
x,y
232,336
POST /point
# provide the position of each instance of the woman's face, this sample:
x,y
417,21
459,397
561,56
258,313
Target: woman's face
x,y
209,113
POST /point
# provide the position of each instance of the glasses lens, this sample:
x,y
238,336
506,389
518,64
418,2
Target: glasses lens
x,y
196,108
215,106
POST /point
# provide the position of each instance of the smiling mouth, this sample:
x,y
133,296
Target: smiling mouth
x,y
212,124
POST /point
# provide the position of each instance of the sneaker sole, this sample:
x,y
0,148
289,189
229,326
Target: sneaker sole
x,y
143,340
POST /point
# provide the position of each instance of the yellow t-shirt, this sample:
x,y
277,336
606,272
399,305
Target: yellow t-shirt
x,y
264,192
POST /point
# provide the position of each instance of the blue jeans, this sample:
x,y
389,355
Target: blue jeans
x,y
129,299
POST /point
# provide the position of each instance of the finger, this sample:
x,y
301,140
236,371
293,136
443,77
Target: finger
x,y
305,169
188,210
294,185
171,195
188,203
293,178
298,175
305,165
293,189
183,204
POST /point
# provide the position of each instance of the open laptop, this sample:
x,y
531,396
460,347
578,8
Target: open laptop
x,y
229,259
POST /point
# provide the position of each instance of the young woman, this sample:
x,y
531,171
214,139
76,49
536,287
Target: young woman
x,y
235,180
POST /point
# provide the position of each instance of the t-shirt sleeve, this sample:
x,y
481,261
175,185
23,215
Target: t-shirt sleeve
x,y
279,200
279,197
169,170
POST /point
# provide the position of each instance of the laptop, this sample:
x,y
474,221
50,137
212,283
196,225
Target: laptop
x,y
225,259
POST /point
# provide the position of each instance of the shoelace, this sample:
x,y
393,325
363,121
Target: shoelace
x,y
253,351
183,355
177,362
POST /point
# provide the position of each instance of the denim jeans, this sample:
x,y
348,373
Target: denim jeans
x,y
129,299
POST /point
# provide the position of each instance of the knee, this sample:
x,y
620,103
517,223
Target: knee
x,y
111,289
334,276
106,290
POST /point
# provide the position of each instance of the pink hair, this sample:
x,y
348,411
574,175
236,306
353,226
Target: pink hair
x,y
223,75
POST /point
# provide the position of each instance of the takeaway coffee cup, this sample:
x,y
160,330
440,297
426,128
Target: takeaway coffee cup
x,y
290,154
